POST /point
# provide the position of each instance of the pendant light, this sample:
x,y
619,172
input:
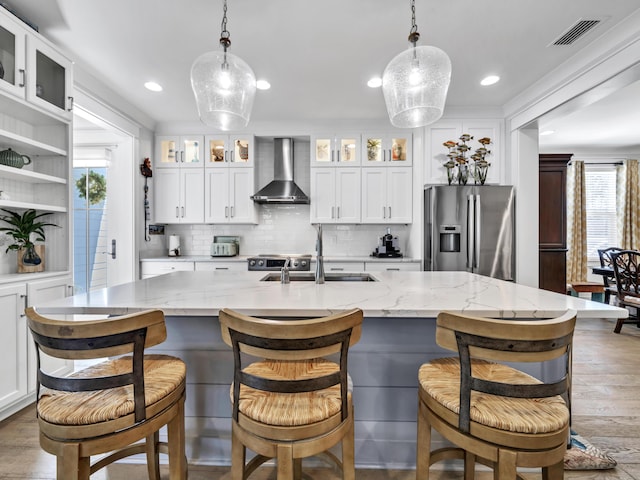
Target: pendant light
x,y
415,83
224,85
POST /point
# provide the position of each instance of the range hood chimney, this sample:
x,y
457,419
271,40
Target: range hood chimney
x,y
282,188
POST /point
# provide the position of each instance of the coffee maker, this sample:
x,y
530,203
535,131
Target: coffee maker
x,y
387,246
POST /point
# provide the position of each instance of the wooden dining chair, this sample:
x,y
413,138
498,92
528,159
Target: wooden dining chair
x,y
115,407
289,401
625,268
495,414
604,255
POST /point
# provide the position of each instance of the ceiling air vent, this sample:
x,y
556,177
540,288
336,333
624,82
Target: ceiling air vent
x,y
575,32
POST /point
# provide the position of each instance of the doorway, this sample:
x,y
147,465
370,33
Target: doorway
x,y
102,192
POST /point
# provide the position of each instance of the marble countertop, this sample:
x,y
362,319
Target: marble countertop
x,y
395,294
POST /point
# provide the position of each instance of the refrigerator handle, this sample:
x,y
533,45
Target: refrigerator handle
x,y
470,232
478,222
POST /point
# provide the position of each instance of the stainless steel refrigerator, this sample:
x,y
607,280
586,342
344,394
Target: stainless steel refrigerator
x,y
470,228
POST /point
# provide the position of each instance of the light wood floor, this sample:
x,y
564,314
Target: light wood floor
x,y
606,411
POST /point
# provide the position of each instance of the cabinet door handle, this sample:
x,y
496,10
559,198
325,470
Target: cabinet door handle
x,y
233,156
393,269
384,212
332,153
336,269
389,212
70,290
177,212
338,155
332,212
182,212
231,210
338,210
26,304
23,74
226,212
390,156
222,268
70,104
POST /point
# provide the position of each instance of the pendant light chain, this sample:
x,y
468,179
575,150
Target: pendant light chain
x,y
225,39
414,36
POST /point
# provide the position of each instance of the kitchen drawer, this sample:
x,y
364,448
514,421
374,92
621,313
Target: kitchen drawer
x,y
341,266
152,269
392,266
231,266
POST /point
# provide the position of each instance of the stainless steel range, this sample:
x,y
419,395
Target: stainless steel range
x,y
298,263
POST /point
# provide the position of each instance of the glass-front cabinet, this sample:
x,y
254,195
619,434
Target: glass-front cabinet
x,y
32,69
12,57
385,149
49,78
335,150
229,150
184,151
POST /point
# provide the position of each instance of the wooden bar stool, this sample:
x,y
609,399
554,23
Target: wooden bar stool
x,y
291,402
117,406
595,289
493,413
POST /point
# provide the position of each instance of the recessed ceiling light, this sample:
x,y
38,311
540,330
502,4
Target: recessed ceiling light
x,y
547,132
263,85
489,80
153,86
375,82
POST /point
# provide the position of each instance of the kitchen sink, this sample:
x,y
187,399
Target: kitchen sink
x,y
328,277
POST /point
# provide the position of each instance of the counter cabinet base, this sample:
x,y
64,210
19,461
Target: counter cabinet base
x,y
383,365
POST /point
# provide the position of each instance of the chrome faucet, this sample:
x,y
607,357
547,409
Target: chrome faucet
x,y
284,273
319,259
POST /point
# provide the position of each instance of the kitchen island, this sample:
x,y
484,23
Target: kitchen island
x,y
397,337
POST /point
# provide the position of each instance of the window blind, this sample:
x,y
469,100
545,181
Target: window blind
x,y
600,189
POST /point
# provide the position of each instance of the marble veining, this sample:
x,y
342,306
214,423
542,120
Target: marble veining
x,y
395,294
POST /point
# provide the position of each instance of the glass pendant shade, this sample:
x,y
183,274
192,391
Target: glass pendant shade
x,y
415,85
224,86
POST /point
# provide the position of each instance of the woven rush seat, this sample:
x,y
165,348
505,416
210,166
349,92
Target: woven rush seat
x,y
285,409
440,378
162,375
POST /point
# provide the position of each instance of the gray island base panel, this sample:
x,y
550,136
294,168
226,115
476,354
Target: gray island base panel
x,y
397,337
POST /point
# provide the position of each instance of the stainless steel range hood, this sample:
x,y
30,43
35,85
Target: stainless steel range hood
x,y
282,188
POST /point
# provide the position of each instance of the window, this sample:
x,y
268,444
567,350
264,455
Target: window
x,y
600,186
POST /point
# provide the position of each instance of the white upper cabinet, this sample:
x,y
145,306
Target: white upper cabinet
x,y
335,195
13,42
183,151
49,78
31,69
229,150
445,130
386,149
179,195
335,150
227,195
386,195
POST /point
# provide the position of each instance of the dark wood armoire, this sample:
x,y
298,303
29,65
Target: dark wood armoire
x,y
552,266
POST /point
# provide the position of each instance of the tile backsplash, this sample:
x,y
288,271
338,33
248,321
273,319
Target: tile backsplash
x,y
283,229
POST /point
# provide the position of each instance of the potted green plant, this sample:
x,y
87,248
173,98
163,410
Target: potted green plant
x,y
26,229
